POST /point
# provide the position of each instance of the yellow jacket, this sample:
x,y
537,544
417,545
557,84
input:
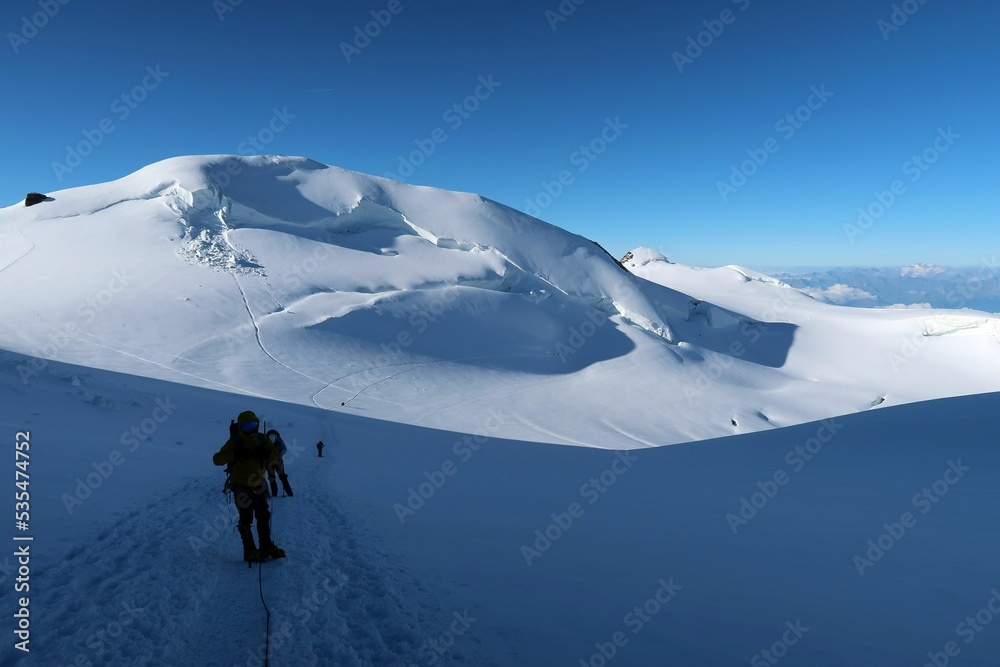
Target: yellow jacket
x,y
250,454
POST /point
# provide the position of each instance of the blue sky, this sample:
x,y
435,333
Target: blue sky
x,y
582,114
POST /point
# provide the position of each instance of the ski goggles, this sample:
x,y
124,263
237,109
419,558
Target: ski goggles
x,y
250,426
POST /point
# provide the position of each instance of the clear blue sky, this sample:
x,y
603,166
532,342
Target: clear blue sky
x,y
223,68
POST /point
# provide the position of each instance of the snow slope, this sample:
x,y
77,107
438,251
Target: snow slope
x,y
902,355
282,278
863,540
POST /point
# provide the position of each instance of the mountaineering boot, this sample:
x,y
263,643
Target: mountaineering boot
x,y
274,488
268,550
250,552
284,483
271,551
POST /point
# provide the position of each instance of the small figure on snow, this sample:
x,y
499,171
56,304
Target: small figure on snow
x,y
249,454
319,447
278,466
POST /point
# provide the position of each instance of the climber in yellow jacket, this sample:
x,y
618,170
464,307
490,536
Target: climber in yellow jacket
x,y
248,453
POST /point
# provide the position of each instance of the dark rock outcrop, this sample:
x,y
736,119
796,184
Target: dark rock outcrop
x,y
34,198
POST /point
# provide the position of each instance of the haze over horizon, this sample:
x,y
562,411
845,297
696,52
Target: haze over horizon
x,y
766,134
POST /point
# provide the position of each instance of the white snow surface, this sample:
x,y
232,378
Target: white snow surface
x,y
283,278
441,525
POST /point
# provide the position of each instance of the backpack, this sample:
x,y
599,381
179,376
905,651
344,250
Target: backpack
x,y
234,435
279,443
226,487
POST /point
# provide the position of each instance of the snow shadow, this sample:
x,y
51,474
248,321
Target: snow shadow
x,y
485,328
762,343
815,527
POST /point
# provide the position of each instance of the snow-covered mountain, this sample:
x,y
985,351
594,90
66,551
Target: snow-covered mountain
x,y
283,278
439,344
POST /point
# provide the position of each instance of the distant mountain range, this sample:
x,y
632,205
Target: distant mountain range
x,y
924,285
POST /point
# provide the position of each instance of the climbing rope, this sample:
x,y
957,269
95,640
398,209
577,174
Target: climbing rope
x,y
260,581
267,628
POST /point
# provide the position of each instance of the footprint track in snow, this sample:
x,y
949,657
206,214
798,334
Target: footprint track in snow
x,y
166,585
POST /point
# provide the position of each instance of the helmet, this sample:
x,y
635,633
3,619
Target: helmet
x,y
247,422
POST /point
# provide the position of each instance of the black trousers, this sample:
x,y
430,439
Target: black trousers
x,y
250,503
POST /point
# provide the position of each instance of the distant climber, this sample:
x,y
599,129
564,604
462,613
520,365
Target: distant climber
x,y
319,447
278,466
250,452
